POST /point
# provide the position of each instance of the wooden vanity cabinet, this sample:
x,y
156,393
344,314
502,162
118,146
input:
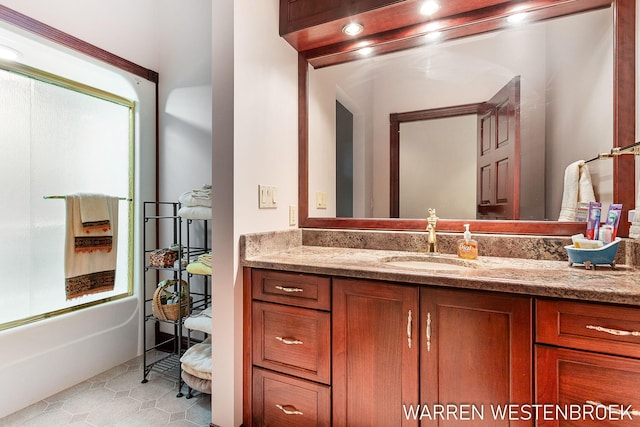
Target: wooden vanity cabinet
x,y
375,352
355,352
588,354
396,346
289,374
475,350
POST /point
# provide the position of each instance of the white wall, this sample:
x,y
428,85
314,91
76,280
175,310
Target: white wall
x,y
255,142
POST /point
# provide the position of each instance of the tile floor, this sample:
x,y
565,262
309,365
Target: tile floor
x,y
118,398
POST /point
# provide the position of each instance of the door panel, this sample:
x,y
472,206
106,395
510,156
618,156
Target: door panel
x,y
476,350
499,154
375,353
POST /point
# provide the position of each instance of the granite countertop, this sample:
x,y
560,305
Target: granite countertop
x,y
546,278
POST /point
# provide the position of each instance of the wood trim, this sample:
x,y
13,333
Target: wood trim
x,y
624,106
303,141
406,32
47,32
624,134
247,355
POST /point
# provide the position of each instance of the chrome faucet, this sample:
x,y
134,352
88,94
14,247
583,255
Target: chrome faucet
x,y
432,241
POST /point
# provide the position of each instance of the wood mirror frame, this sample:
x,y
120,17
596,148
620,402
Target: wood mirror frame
x,y
624,75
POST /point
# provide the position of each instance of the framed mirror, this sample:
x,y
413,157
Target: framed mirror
x,y
608,30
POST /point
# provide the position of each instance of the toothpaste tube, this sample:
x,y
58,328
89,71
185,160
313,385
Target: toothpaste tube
x,y
593,220
613,218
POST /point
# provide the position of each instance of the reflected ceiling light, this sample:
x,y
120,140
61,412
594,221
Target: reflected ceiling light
x,y
429,7
365,51
8,53
434,35
516,17
352,29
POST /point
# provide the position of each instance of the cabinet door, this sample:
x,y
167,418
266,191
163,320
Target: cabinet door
x,y
604,390
476,352
375,353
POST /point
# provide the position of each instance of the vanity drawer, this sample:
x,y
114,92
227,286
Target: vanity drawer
x,y
292,340
302,290
280,400
589,326
604,386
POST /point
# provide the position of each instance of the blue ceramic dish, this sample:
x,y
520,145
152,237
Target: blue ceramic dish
x,y
591,257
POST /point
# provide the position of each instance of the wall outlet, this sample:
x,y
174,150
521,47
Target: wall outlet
x,y
321,200
293,215
267,197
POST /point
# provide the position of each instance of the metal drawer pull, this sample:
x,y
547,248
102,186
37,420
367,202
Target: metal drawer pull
x,y
289,410
409,319
289,341
428,331
611,408
616,332
283,289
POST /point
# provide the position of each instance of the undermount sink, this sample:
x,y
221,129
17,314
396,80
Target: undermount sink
x,y
428,262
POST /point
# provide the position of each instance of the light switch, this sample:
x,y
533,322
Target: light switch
x,y
267,197
321,200
293,215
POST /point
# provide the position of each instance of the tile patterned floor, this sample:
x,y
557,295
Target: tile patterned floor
x,y
117,398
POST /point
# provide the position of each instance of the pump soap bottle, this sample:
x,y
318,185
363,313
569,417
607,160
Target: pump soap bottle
x,y
467,247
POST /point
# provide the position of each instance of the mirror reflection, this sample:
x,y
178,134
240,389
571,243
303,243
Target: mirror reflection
x,y
564,70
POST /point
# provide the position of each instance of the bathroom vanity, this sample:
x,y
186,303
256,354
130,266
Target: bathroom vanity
x,y
336,334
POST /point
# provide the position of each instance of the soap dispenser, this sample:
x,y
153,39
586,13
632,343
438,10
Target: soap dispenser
x,y
467,247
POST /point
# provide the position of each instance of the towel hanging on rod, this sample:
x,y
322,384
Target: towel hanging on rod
x,y
618,151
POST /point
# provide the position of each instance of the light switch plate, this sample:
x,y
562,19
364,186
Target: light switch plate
x,y
321,200
293,215
267,197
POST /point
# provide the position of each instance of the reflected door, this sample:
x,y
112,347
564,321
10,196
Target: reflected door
x,y
498,191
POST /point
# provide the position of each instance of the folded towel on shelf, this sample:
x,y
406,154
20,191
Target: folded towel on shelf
x,y
578,188
197,197
205,259
196,383
90,260
197,360
200,321
197,267
195,212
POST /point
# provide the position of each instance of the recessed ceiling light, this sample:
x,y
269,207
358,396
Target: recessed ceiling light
x,y
429,7
352,29
8,53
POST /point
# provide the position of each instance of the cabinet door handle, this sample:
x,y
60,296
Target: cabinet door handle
x,y
289,410
289,341
289,290
616,332
612,408
428,333
409,328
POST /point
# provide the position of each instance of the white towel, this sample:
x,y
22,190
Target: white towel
x,y
90,266
197,197
577,189
634,231
195,212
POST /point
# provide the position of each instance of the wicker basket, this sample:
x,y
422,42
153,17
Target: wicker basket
x,y
164,311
